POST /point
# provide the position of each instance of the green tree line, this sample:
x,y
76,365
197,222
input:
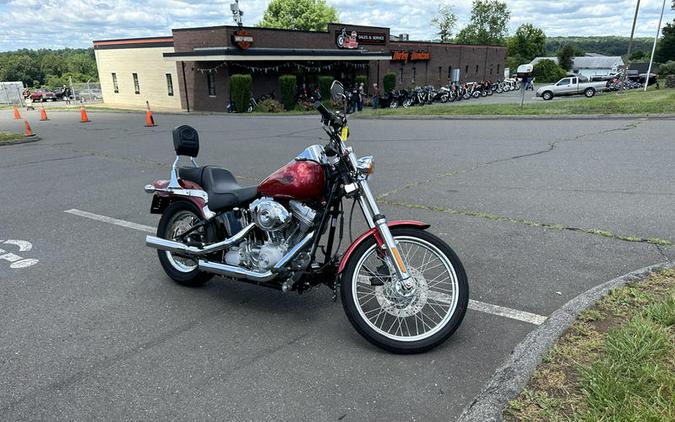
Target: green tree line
x,y
607,45
51,68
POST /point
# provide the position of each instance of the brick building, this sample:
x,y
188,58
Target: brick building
x,y
205,58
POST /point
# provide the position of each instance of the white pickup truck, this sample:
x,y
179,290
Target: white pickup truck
x,y
570,85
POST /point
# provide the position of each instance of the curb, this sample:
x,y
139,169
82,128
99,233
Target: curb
x,y
512,376
522,117
21,141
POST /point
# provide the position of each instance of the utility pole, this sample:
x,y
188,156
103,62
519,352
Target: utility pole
x,y
656,37
630,45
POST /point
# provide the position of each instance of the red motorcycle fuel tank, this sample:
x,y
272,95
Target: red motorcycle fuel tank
x,y
300,180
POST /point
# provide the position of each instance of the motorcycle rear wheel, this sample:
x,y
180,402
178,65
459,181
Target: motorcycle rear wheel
x,y
399,323
177,218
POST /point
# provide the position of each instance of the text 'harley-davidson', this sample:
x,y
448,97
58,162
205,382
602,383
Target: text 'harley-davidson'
x,y
402,288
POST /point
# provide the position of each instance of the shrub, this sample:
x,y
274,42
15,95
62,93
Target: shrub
x,y
548,71
389,82
324,86
668,68
240,91
362,79
269,105
288,85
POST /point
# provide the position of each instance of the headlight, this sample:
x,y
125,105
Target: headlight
x,y
365,165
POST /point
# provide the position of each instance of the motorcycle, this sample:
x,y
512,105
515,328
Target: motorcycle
x,y
402,288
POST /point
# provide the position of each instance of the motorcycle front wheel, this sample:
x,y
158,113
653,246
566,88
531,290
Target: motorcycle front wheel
x,y
399,321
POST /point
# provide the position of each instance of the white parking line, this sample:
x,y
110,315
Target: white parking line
x,y
489,308
110,220
475,305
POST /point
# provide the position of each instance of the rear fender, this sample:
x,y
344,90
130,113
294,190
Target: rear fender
x,y
373,232
161,200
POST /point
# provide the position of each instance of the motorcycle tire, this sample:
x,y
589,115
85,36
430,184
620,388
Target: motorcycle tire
x,y
182,270
357,296
445,98
393,104
476,94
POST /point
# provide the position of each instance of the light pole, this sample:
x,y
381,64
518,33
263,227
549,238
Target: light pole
x,y
630,45
656,37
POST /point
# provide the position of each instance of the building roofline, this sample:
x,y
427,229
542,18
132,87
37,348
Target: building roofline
x,y
447,44
201,28
132,40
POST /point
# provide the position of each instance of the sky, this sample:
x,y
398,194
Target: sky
x,y
76,23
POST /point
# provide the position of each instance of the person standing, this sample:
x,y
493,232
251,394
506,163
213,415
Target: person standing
x,y
376,96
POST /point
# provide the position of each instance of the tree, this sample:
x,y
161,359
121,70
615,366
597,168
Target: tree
x,y
566,56
527,43
305,15
488,24
547,71
445,22
666,48
637,55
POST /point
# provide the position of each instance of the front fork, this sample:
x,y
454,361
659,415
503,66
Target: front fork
x,y
385,240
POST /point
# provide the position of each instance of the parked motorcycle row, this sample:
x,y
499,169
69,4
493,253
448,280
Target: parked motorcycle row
x,y
616,84
450,93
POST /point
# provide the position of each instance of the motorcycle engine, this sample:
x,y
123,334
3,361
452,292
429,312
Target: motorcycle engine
x,y
281,229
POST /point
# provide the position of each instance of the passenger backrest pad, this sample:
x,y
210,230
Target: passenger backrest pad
x,y
186,141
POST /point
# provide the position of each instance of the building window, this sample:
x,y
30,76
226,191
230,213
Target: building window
x,y
116,87
137,87
467,69
440,73
414,74
498,69
490,70
169,84
450,72
401,77
476,68
211,84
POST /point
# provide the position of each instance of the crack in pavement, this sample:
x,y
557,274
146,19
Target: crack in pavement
x,y
551,147
663,253
47,160
559,227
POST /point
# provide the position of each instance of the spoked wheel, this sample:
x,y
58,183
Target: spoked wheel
x,y
402,321
178,218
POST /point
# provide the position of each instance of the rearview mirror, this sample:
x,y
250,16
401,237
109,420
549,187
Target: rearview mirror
x,y
337,92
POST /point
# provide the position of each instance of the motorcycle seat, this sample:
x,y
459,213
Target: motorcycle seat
x,y
223,189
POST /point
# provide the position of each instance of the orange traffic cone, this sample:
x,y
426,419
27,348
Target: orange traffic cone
x,y
28,132
17,115
149,120
84,118
43,114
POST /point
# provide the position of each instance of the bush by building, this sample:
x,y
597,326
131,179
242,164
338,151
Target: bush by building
x,y
548,71
240,90
269,105
389,82
324,86
362,79
288,85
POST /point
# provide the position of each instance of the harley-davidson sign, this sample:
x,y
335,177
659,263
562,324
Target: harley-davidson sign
x,y
243,39
352,39
410,56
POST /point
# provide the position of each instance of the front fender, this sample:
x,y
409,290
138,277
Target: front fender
x,y
373,232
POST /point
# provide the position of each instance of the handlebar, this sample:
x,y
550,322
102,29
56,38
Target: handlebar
x,y
331,118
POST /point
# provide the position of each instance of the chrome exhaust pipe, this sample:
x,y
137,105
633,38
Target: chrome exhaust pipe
x,y
235,272
183,249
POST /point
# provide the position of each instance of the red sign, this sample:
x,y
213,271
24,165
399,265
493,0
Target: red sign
x,y
243,39
352,39
412,56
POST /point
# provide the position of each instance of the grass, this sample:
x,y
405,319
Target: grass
x,y
6,137
615,363
630,102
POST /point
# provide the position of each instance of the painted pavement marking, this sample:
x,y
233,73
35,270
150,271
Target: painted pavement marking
x,y
475,305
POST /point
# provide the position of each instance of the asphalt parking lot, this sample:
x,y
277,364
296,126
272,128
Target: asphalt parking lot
x,y
538,210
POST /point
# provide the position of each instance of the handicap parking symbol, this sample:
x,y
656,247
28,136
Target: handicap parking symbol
x,y
16,261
